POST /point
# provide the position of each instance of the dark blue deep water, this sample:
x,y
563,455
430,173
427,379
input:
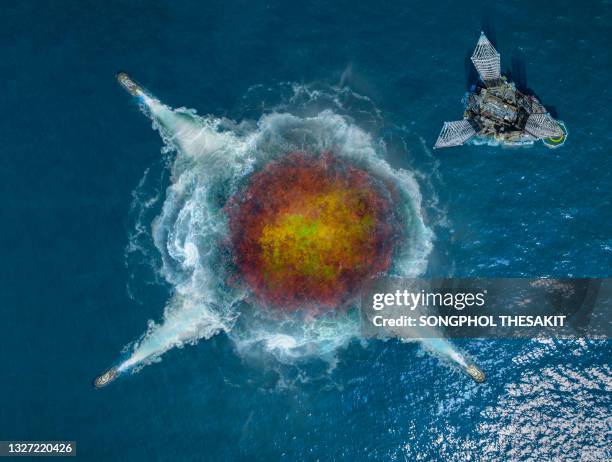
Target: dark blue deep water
x,y
74,148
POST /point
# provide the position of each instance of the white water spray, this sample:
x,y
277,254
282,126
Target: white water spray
x,y
214,154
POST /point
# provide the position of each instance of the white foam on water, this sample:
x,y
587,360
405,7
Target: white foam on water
x,y
213,156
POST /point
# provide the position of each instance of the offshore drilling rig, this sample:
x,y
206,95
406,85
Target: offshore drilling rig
x,y
496,110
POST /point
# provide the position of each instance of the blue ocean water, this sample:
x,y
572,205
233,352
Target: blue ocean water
x,y
75,150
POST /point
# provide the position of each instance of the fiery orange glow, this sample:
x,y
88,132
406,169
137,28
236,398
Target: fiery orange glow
x,y
308,231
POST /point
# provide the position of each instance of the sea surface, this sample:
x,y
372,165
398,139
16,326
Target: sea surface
x,y
84,177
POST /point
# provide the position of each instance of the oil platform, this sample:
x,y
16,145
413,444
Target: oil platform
x,y
496,110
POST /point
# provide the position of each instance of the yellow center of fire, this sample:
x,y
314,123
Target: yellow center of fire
x,y
317,237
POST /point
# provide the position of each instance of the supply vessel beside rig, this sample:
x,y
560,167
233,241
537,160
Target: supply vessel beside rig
x,y
496,110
